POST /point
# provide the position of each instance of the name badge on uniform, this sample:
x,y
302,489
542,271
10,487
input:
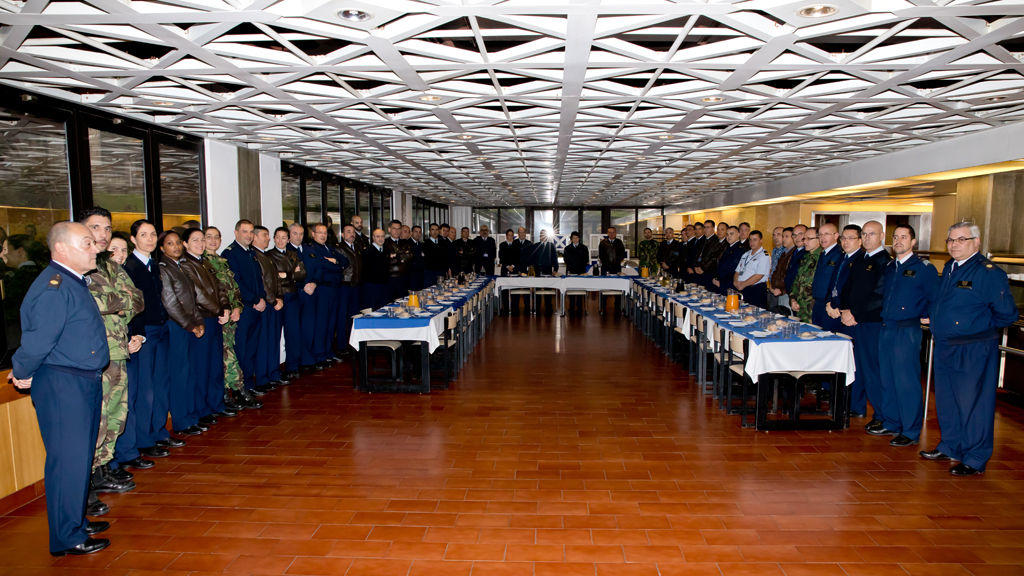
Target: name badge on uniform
x,y
850,265
963,284
869,268
909,273
830,263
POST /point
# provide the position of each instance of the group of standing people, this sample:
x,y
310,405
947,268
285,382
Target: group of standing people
x,y
121,331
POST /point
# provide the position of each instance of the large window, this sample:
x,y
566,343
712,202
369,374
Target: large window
x,y
117,165
514,218
314,201
543,221
592,231
650,218
290,199
180,188
34,194
350,201
568,220
625,228
484,217
385,202
334,206
364,209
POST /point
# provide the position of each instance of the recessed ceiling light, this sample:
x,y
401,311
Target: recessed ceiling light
x,y
465,136
481,157
163,103
712,99
995,98
666,137
817,11
352,15
267,138
430,98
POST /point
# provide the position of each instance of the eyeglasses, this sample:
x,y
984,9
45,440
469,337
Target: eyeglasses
x,y
850,238
958,241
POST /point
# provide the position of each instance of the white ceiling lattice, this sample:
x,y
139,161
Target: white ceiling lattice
x,y
518,102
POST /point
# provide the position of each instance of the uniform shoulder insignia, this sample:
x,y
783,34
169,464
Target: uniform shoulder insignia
x,y
766,253
55,281
927,262
229,247
989,265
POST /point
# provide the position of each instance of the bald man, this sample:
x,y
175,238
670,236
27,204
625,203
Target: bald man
x,y
61,360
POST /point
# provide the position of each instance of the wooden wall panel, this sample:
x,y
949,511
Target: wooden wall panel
x,y
249,185
29,453
8,484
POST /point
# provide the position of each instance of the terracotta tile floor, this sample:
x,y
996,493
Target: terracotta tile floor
x,y
567,447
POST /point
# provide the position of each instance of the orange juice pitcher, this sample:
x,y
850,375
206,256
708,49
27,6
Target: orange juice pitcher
x,y
414,300
732,301
644,272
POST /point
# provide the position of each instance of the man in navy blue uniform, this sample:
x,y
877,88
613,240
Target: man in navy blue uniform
x,y
972,305
249,276
329,263
729,261
821,287
486,251
307,290
860,305
852,251
61,359
908,290
419,263
794,261
435,262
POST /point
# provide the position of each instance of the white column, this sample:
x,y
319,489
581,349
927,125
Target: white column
x,y
222,206
270,191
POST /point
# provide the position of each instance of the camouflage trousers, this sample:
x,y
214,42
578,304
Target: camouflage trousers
x,y
113,411
232,370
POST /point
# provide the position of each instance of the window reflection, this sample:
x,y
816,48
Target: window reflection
x,y
314,201
180,196
289,199
625,228
334,208
350,202
118,176
34,194
364,211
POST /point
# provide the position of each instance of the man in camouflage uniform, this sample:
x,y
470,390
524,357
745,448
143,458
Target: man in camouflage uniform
x,y
232,369
801,297
118,301
649,252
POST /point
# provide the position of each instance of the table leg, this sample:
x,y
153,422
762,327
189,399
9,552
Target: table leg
x,y
425,369
364,368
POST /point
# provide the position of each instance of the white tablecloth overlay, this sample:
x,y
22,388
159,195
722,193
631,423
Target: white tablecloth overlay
x,y
429,334
590,283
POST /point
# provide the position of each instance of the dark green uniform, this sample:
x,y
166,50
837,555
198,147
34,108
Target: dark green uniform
x,y
648,253
232,369
802,292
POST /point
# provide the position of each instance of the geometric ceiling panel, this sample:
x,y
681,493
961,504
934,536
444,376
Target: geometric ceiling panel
x,y
514,102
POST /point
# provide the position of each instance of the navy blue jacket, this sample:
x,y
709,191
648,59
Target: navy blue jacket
x,y
728,264
61,326
330,273
794,267
435,255
311,275
839,276
486,251
149,282
862,291
545,258
247,272
525,255
693,257
972,303
908,290
577,258
821,287
419,261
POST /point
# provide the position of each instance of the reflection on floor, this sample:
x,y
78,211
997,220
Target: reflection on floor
x,y
569,446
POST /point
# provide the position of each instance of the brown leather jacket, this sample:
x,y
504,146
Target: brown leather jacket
x,y
713,250
353,275
179,295
271,281
401,263
211,297
286,264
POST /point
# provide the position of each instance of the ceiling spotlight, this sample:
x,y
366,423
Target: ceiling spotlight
x,y
430,98
712,99
465,136
352,15
817,11
666,137
641,157
267,138
995,98
163,104
481,157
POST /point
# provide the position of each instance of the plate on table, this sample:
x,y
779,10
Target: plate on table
x,y
434,307
422,313
807,336
375,314
740,323
447,302
762,334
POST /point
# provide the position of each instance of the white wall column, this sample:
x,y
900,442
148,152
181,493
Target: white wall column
x,y
270,191
222,205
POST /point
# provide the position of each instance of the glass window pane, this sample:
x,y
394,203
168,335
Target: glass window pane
x,y
514,218
385,199
485,217
543,221
650,218
118,182
591,231
34,194
625,228
334,207
314,201
568,220
180,197
374,210
350,202
289,199
364,211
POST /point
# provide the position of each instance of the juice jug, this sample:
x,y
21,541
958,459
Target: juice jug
x,y
732,301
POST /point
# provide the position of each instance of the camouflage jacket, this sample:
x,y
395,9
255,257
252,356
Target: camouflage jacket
x,y
118,300
226,277
801,291
649,255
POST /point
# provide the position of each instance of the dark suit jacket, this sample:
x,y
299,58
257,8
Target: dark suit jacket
x,y
435,256
577,258
376,266
486,252
862,292
508,255
545,258
148,281
611,254
671,254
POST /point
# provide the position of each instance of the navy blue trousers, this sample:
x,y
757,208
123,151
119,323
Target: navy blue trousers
x,y
68,410
207,358
246,342
430,277
326,318
127,447
756,295
149,367
183,380
398,287
899,353
307,318
416,280
867,385
374,295
966,378
349,302
291,320
268,351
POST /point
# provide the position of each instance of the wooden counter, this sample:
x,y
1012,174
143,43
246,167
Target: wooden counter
x,y
22,455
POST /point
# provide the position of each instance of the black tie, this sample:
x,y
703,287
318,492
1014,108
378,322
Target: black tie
x,y
953,269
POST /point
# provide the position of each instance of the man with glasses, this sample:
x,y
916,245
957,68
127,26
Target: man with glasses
x,y
801,296
752,272
821,287
908,291
973,304
860,306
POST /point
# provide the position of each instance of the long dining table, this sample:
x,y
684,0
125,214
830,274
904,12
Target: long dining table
x,y
805,348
